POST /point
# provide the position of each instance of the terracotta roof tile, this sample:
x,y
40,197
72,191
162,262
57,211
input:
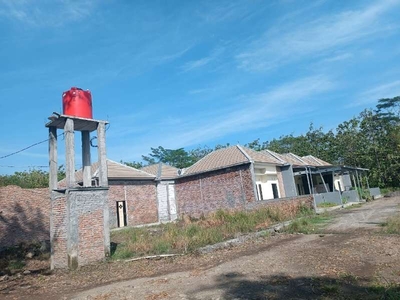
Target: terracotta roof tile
x,y
231,156
294,159
261,156
115,171
163,170
118,170
315,161
218,159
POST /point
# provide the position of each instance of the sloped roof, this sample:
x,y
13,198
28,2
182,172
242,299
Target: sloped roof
x,y
262,156
294,159
315,161
115,171
276,155
161,171
227,157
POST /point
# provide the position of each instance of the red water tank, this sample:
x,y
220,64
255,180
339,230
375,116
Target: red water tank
x,y
77,103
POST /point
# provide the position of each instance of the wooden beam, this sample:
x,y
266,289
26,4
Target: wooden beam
x,y
87,174
101,148
69,153
53,168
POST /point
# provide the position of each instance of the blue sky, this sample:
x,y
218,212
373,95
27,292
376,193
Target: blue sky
x,y
191,73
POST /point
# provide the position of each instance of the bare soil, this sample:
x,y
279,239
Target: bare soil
x,y
351,259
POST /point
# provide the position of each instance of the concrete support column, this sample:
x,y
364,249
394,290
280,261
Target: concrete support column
x,y
87,174
69,153
53,168
72,232
101,148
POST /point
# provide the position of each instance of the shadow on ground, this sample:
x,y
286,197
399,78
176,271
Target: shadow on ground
x,y
237,286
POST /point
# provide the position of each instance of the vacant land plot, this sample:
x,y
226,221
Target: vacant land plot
x,y
354,257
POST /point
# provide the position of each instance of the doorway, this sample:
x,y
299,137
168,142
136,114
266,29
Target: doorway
x,y
275,190
121,213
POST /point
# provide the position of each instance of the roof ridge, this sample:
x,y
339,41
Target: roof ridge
x,y
159,170
268,156
297,157
316,159
244,153
128,167
275,155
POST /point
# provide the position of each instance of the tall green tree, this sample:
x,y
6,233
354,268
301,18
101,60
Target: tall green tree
x,y
178,158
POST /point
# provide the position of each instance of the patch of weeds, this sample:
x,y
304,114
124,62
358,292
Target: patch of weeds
x,y
308,224
327,204
348,278
389,291
305,211
392,225
16,265
365,194
161,247
122,253
330,288
189,233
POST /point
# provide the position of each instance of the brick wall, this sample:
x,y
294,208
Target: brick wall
x,y
141,201
58,232
24,215
91,237
79,232
227,189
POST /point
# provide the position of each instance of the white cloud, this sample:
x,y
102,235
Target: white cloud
x,y
282,45
44,13
195,64
170,57
339,57
246,112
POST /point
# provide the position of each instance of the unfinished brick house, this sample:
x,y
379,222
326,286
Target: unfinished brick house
x,y
165,179
132,194
229,178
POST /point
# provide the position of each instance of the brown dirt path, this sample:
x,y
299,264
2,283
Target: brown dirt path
x,y
350,255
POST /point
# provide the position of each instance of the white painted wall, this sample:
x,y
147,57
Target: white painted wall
x,y
172,202
266,182
166,201
162,198
338,179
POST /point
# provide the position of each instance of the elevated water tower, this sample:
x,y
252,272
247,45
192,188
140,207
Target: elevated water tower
x,y
79,219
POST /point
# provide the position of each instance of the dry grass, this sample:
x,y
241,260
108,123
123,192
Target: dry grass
x,y
189,234
392,225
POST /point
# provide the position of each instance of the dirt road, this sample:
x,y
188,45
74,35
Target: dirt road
x,y
286,268
350,255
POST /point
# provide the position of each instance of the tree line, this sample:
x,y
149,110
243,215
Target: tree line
x,y
370,140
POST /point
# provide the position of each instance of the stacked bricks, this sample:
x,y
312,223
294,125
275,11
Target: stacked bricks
x,y
227,189
79,227
24,215
141,201
58,232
